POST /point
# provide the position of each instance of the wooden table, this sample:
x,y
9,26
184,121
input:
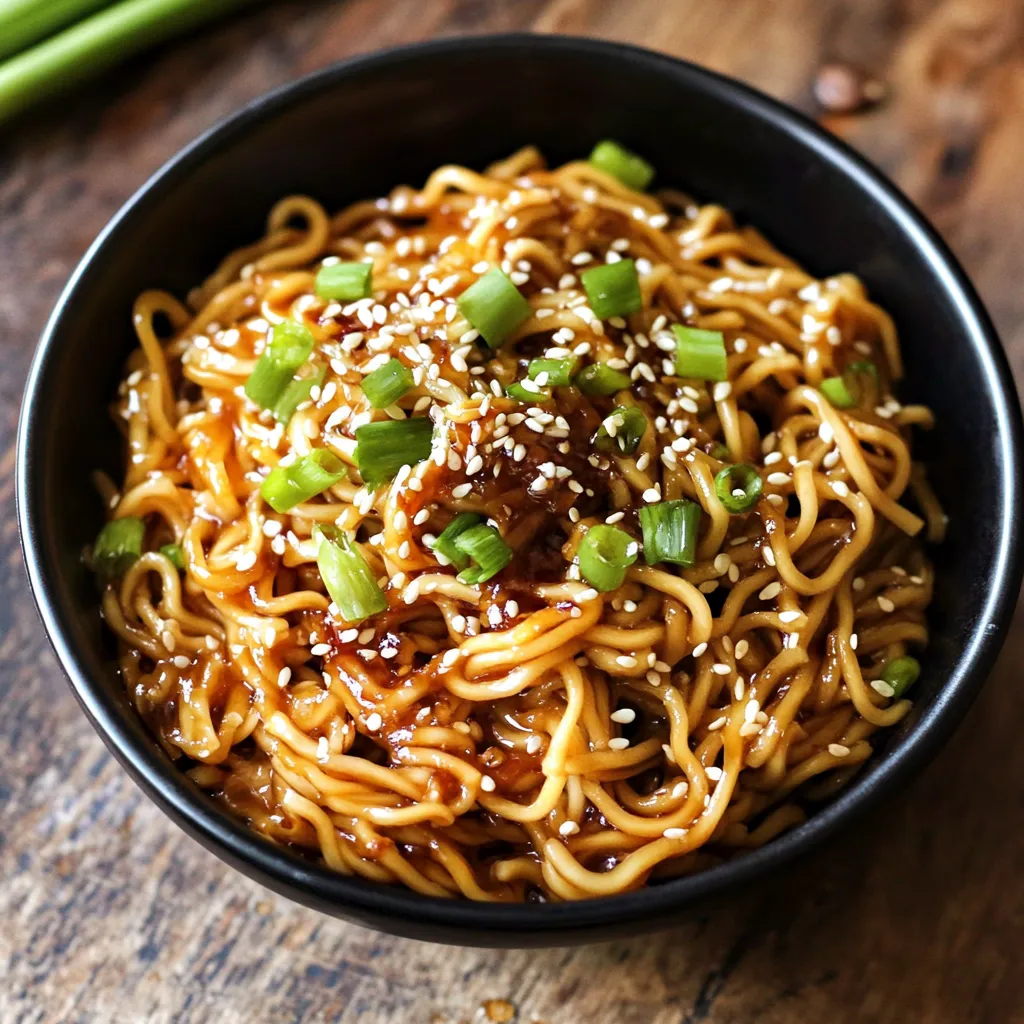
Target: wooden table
x,y
109,913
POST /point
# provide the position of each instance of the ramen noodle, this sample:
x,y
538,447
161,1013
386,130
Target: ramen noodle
x,y
529,536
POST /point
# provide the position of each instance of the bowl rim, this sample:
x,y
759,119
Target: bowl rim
x,y
466,921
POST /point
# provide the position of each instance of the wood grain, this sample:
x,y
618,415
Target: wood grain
x,y
111,914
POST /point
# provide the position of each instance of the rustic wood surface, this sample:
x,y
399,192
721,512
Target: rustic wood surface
x,y
109,913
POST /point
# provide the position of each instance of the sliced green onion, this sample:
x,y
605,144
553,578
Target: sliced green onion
x,y
613,289
670,532
738,487
901,674
445,543
117,547
604,554
175,554
288,486
842,392
296,392
290,344
559,371
700,354
494,306
383,448
601,379
521,393
347,576
387,383
621,430
485,548
720,452
344,282
633,171
864,366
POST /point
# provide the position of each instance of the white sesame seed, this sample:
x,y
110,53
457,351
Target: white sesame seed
x,y
618,743
284,676
742,646
623,716
487,784
769,555
885,604
714,773
838,750
461,490
374,722
180,661
586,595
778,479
720,668
772,590
882,687
788,617
699,650
652,495
722,390
317,650
568,828
854,640
840,488
626,661
246,560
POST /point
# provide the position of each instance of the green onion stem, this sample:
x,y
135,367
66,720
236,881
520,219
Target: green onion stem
x,y
670,532
24,22
604,554
97,43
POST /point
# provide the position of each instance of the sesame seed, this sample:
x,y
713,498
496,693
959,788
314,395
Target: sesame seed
x,y
885,604
714,773
722,390
246,560
180,661
318,650
882,687
770,591
699,650
461,490
374,722
840,488
623,716
674,833
586,595
838,750
626,661
618,743
751,710
487,784
854,640
720,668
789,616
284,676
778,479
533,744
652,495
769,556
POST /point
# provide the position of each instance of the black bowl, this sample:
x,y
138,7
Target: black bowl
x,y
356,130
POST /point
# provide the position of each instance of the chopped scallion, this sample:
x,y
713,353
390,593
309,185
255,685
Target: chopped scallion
x,y
738,487
522,391
485,548
621,430
601,379
344,282
700,354
348,578
633,171
604,554
175,554
296,392
118,547
386,385
901,674
445,543
670,532
559,371
613,289
494,306
288,486
383,448
842,392
290,344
